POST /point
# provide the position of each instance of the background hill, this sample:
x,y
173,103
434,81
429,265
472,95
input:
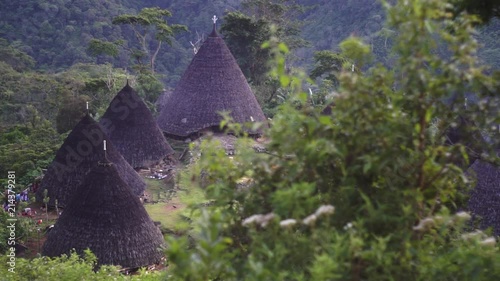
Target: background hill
x,y
56,33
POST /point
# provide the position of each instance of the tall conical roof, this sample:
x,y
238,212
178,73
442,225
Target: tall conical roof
x,y
77,155
212,83
484,199
107,218
133,130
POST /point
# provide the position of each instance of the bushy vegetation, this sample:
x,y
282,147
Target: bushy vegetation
x,y
370,192
69,268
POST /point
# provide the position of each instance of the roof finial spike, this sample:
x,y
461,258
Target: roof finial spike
x,y
87,106
105,155
106,161
214,19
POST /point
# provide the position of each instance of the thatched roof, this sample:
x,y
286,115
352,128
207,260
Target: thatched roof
x,y
162,100
133,130
107,218
485,197
212,83
79,152
328,109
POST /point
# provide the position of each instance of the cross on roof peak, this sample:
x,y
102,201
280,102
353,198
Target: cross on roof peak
x,y
214,19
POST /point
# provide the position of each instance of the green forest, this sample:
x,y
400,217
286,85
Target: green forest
x,y
359,180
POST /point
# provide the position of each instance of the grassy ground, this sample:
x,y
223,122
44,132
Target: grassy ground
x,y
171,208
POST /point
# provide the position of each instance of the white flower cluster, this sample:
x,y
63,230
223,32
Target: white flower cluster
x,y
429,222
479,235
348,226
322,210
424,224
263,220
489,242
463,216
288,223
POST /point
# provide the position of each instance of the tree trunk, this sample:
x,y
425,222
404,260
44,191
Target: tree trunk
x,y
153,57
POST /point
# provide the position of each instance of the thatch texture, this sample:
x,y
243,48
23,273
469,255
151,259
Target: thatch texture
x,y
133,130
212,83
485,197
328,109
162,100
79,152
107,218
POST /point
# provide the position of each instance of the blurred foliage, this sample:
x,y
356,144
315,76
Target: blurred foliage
x,y
369,192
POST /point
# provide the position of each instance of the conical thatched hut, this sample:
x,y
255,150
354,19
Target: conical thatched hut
x,y
485,197
107,218
212,83
79,152
133,130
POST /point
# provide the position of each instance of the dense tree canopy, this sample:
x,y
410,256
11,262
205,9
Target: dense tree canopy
x,y
329,65
244,36
150,23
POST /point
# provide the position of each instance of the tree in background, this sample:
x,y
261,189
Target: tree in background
x,y
70,113
283,14
29,148
151,30
97,48
326,70
244,35
328,66
245,32
369,192
485,9
16,58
